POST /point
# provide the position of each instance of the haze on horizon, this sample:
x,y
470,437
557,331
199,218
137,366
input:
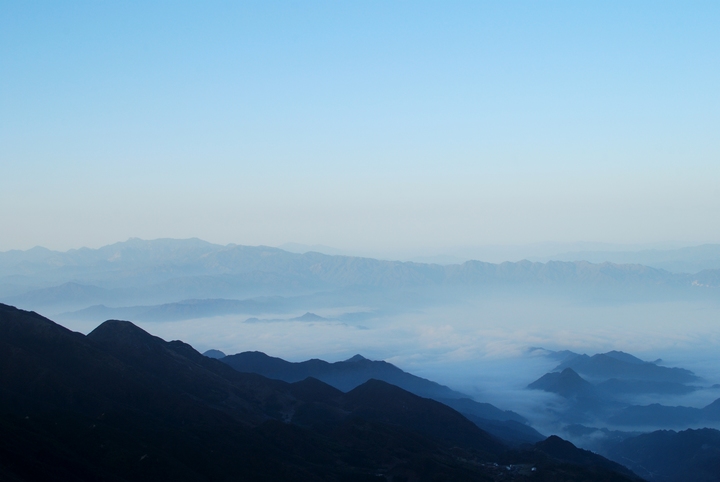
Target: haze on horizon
x,y
369,127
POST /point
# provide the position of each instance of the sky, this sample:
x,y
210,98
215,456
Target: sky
x,y
359,125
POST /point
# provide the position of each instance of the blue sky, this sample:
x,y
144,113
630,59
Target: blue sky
x,y
360,125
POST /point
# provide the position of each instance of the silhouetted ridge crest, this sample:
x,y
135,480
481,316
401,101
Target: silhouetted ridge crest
x,y
382,402
624,366
565,451
344,375
124,405
666,455
313,390
566,383
28,323
356,358
119,332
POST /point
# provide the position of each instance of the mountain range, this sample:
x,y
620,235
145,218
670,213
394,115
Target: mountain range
x,y
120,404
600,388
149,275
691,259
346,375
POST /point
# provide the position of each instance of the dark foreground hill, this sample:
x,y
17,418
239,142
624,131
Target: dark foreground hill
x,y
345,375
123,405
666,455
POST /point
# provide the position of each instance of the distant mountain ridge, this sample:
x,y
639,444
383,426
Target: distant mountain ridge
x,y
166,270
691,259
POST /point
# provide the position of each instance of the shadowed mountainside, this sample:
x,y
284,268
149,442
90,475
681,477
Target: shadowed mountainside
x,y
669,456
348,374
120,404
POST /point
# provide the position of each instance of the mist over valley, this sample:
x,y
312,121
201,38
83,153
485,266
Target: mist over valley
x,y
596,353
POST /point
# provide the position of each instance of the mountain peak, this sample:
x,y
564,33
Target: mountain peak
x,y
119,332
622,356
217,354
566,383
309,317
356,358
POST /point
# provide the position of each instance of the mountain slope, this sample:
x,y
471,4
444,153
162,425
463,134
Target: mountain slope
x,y
121,405
348,374
687,456
566,383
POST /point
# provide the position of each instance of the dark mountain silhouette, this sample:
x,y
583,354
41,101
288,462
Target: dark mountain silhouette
x,y
379,401
216,354
566,383
346,375
509,431
585,403
669,456
611,400
656,415
121,404
565,451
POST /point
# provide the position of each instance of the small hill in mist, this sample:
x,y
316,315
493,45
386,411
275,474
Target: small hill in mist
x,y
619,365
609,383
566,383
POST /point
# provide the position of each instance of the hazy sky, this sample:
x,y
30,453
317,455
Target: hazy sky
x,y
360,125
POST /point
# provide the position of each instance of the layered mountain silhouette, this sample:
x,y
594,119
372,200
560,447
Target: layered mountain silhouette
x,y
139,273
657,415
348,374
613,379
120,404
343,375
566,383
565,451
619,365
669,456
692,259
